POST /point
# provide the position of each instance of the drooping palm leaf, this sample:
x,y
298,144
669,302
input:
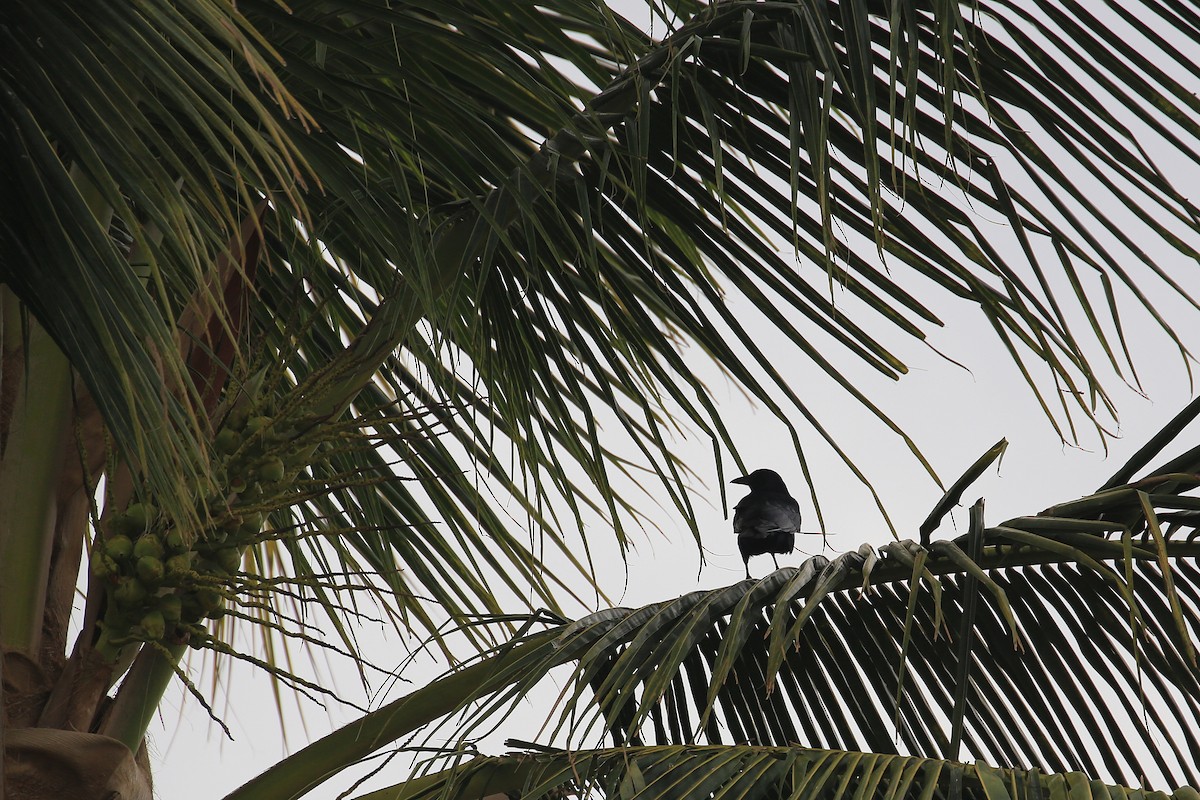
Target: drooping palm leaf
x,y
839,687
661,197
134,103
1083,619
600,250
749,772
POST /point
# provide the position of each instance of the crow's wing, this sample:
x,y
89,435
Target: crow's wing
x,y
766,514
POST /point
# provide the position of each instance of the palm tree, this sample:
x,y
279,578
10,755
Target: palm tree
x,y
301,301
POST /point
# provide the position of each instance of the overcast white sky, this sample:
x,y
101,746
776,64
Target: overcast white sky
x,y
954,414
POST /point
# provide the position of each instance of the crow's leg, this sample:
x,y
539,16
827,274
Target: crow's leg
x,y
776,560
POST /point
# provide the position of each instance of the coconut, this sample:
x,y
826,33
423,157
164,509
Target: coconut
x,y
228,441
251,524
148,545
252,494
120,525
237,418
209,599
175,541
256,424
103,567
171,606
139,516
118,547
150,570
228,559
189,608
177,568
154,625
130,593
272,469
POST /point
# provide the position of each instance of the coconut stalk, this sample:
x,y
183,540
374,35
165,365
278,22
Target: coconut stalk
x,y
28,476
37,392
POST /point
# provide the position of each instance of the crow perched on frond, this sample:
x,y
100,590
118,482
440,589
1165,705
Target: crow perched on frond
x,y
767,519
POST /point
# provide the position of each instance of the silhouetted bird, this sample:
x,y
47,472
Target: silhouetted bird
x,y
767,519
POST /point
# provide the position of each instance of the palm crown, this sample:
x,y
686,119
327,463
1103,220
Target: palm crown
x,y
289,278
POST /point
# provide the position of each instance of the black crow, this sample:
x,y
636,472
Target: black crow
x,y
767,519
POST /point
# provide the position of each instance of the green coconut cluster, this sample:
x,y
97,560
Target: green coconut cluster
x,y
250,465
158,587
163,582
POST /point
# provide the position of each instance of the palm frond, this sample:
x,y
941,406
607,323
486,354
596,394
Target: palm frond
x,y
138,106
577,267
1010,645
636,211
502,220
748,123
794,773
1081,622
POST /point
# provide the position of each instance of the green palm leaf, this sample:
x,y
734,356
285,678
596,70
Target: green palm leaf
x,y
487,230
749,772
593,225
599,250
1079,619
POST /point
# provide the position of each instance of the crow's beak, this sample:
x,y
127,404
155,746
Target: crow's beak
x,y
744,480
